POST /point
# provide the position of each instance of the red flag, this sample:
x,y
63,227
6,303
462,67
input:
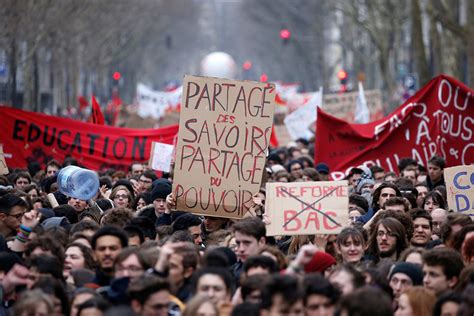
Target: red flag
x,y
273,138
97,116
437,120
83,103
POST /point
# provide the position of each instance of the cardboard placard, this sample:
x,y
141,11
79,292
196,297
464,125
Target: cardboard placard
x,y
460,187
3,164
307,208
224,132
161,156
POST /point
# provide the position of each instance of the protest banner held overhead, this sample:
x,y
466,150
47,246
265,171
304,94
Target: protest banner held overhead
x,y
437,120
460,188
225,128
161,156
29,137
307,208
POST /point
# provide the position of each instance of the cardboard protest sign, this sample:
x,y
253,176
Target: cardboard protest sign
x,y
460,187
28,136
437,120
3,164
225,128
344,105
307,208
161,156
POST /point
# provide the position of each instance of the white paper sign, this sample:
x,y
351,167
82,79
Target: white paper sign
x,y
160,157
299,122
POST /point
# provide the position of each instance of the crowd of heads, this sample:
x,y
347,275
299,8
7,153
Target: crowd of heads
x,y
129,251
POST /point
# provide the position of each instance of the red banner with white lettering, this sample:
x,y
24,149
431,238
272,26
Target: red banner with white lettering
x,y
438,119
28,137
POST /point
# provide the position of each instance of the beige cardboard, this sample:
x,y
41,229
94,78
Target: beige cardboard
x,y
343,105
460,187
224,131
3,164
289,211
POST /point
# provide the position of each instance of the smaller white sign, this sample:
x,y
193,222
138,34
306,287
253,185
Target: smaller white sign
x,y
160,157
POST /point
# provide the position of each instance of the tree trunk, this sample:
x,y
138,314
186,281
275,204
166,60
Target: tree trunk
x,y
12,65
417,44
470,44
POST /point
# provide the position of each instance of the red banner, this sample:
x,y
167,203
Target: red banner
x,y
28,136
438,119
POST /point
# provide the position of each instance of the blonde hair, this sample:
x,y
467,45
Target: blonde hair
x,y
195,303
29,300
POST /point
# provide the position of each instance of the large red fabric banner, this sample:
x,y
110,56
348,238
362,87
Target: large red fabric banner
x,y
28,137
438,119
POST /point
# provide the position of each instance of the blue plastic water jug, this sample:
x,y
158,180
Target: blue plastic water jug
x,y
79,183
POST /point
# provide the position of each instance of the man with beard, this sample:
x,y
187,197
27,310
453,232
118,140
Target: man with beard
x,y
422,228
107,243
388,239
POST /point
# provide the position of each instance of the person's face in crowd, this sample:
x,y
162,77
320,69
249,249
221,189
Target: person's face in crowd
x,y
351,250
281,307
415,258
390,179
79,205
91,311
386,241
134,241
196,232
421,232
296,170
434,172
146,182
247,245
130,267
430,205
177,273
33,193
160,206
450,308
438,216
343,281
214,287
213,224
156,305
378,176
410,175
12,221
78,300
282,179
354,215
422,192
137,169
319,305
141,204
385,194
435,279
355,177
404,307
51,171
22,183
324,176
396,208
73,259
399,283
206,309
106,250
121,199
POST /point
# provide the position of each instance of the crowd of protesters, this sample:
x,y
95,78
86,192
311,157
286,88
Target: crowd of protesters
x,y
129,251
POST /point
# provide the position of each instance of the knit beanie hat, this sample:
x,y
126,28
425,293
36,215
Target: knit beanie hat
x,y
320,262
161,189
413,271
54,222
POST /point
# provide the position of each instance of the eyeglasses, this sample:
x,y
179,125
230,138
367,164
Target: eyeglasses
x,y
17,216
121,196
381,233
